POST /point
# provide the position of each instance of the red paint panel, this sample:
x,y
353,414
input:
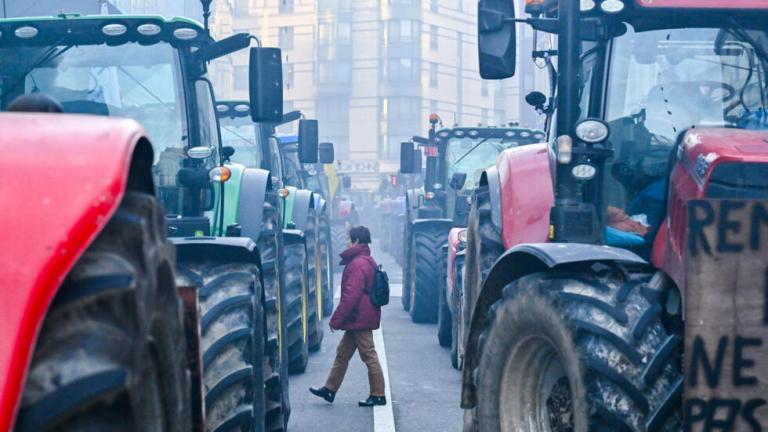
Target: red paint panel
x,y
704,4
453,244
526,194
61,179
714,146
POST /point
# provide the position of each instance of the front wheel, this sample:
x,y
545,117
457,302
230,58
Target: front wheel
x,y
425,275
578,350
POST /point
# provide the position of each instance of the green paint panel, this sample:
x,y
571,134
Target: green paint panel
x,y
288,204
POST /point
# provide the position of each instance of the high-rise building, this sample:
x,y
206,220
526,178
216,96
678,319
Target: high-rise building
x,y
373,70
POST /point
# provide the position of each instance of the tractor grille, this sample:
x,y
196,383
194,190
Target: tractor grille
x,y
739,181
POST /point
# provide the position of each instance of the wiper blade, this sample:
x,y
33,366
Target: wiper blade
x,y
470,151
50,54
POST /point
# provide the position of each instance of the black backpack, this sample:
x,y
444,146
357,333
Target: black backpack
x,y
380,291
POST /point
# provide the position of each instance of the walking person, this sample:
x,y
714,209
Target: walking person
x,y
358,317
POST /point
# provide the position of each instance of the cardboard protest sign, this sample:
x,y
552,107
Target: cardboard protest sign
x,y
726,316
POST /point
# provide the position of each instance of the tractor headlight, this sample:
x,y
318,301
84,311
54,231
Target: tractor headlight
x,y
114,29
584,172
592,131
200,152
149,29
437,186
587,5
25,32
612,6
185,33
463,236
220,174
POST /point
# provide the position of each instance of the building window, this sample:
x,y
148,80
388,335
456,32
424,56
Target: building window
x,y
286,6
285,38
402,69
401,31
240,77
434,5
336,72
242,7
459,45
433,38
484,118
324,33
433,75
288,75
484,87
343,33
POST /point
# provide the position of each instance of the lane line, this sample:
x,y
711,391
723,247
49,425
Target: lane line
x,y
383,416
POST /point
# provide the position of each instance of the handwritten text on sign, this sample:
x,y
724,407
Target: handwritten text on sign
x,y
726,316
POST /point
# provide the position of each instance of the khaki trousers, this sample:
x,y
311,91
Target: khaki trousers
x,y
362,341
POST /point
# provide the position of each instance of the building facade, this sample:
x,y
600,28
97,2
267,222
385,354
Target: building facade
x,y
371,71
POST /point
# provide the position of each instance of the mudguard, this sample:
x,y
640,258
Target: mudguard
x,y
515,263
319,203
454,246
443,224
303,202
491,178
61,184
292,236
224,248
412,198
255,185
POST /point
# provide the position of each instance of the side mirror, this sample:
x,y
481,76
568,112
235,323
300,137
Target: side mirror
x,y
326,153
265,85
457,180
407,162
346,181
497,38
308,141
226,153
417,158
536,99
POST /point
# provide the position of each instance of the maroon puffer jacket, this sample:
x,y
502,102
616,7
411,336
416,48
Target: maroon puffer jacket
x,y
355,310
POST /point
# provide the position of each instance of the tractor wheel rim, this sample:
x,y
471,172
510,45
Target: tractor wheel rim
x,y
535,391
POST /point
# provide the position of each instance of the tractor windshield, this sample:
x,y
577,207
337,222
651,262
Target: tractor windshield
x,y
473,155
242,136
134,81
664,82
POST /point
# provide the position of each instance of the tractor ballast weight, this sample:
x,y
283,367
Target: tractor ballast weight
x,y
84,204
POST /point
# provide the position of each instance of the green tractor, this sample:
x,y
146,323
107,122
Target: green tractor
x,y
154,70
304,171
249,144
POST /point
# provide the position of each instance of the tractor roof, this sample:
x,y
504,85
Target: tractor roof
x,y
100,29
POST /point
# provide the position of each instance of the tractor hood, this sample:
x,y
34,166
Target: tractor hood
x,y
703,149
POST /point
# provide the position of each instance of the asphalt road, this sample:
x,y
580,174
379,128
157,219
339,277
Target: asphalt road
x,y
424,388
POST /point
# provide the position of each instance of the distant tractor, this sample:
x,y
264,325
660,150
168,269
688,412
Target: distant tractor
x,y
154,71
455,158
254,145
615,277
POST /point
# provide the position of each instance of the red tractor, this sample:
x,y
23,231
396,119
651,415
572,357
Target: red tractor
x,y
93,330
615,277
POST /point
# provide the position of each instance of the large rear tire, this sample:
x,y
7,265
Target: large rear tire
x,y
315,331
232,329
405,299
425,274
578,349
296,281
484,247
326,266
444,319
120,302
277,398
457,332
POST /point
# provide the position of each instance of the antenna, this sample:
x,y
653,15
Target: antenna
x,y
206,14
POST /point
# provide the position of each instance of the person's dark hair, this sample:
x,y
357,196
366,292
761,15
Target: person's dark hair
x,y
360,234
35,102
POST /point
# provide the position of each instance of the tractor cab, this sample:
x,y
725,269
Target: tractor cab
x,y
456,158
146,68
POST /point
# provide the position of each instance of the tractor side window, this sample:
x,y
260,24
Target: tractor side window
x,y
209,130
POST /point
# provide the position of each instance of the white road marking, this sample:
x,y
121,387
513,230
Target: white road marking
x,y
383,416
